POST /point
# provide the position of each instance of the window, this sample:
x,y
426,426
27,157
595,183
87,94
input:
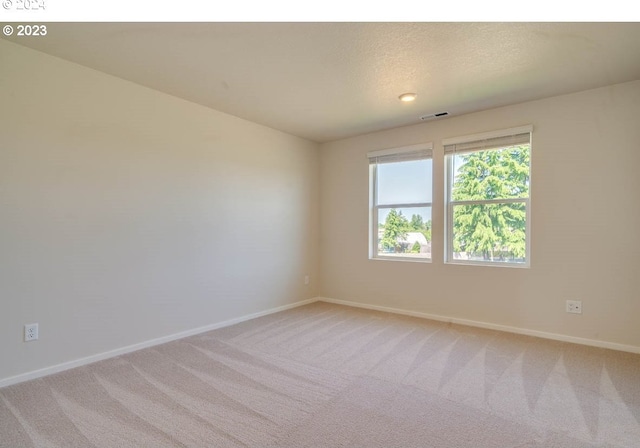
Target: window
x,y
487,198
400,212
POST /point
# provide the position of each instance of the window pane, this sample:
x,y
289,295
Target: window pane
x,y
404,232
490,232
404,182
494,174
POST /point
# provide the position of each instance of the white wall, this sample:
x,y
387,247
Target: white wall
x,y
128,215
585,223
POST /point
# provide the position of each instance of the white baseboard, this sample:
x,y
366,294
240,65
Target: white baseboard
x,y
131,348
150,343
490,326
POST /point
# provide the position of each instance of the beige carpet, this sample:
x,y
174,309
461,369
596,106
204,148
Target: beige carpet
x,y
325,375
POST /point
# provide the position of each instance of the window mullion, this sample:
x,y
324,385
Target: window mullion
x,y
409,205
489,201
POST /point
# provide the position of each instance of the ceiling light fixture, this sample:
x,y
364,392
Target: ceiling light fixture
x,y
407,97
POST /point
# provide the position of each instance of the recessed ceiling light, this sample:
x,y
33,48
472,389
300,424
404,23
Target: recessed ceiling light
x,y
407,97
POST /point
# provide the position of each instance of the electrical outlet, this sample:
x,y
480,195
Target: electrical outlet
x,y
306,279
574,306
30,332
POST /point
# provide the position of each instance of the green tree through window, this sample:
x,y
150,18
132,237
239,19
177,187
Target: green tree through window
x,y
396,227
493,230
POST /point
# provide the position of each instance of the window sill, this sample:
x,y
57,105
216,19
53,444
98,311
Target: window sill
x,y
398,258
495,264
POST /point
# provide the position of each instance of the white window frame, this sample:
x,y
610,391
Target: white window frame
x,y
477,141
420,151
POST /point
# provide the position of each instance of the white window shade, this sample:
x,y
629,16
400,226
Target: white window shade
x,y
488,141
405,154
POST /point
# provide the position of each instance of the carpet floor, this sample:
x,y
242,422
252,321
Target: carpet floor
x,y
325,375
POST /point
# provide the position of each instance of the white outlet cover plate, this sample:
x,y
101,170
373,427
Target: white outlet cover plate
x,y
30,332
574,306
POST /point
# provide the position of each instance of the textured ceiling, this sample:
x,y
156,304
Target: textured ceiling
x,y
324,81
